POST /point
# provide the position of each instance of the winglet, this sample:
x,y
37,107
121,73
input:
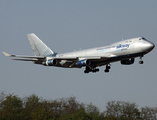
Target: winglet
x,y
6,54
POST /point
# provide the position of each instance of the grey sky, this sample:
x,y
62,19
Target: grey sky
x,y
68,25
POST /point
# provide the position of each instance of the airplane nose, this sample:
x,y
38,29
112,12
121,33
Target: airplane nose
x,y
152,45
148,46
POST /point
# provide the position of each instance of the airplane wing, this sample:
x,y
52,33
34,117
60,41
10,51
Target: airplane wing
x,y
59,58
71,61
96,57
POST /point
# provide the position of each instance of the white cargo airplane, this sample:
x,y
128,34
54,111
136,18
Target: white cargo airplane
x,y
125,51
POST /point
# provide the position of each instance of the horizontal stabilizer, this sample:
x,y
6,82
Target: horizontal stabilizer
x,y
21,56
6,54
26,59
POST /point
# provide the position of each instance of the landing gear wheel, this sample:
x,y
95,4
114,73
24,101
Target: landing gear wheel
x,y
97,70
106,70
141,62
108,67
86,71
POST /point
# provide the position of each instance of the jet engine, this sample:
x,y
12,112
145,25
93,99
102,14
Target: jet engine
x,y
128,61
84,63
50,62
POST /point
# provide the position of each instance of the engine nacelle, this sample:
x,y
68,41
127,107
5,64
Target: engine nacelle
x,y
50,62
84,63
128,61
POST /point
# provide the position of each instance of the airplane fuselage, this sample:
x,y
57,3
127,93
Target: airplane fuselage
x,y
118,51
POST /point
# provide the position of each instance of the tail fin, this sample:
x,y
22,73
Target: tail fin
x,y
39,48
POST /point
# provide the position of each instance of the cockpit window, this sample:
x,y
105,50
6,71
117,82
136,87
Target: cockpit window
x,y
142,38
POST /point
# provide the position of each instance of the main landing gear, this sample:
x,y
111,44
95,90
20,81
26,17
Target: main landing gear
x,y
94,70
107,68
141,61
88,69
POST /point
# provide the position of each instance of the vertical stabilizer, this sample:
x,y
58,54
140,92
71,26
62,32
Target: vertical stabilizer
x,y
39,48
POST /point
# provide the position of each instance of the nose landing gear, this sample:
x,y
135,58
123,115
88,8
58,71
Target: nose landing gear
x,y
141,61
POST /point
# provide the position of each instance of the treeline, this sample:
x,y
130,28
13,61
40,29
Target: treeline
x,y
33,107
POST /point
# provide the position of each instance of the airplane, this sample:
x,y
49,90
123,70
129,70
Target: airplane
x,y
124,51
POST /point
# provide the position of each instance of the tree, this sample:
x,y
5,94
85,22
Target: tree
x,y
122,110
154,113
64,107
148,113
11,108
130,110
94,112
34,108
79,115
69,105
114,108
